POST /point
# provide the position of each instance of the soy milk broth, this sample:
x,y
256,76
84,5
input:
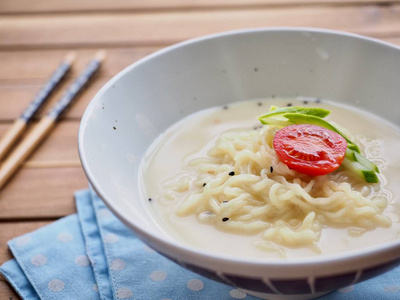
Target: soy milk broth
x,y
193,136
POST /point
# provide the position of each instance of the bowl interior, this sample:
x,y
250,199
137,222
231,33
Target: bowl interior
x,y
138,104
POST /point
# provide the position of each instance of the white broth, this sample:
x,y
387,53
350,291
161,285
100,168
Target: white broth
x,y
193,136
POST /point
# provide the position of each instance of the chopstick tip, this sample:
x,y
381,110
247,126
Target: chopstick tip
x,y
70,58
100,55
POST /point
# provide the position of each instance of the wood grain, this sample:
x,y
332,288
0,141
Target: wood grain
x,y
24,72
61,144
7,292
20,96
10,230
40,6
163,28
32,68
46,193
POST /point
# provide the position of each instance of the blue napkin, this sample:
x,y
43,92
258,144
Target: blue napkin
x,y
92,255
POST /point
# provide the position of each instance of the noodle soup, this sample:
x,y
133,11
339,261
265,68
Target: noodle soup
x,y
214,181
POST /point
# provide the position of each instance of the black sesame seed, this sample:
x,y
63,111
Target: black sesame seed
x,y
225,219
259,103
289,104
114,127
271,169
225,107
150,199
231,173
204,184
305,102
225,201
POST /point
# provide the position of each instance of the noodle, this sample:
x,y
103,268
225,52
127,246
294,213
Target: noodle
x,y
264,195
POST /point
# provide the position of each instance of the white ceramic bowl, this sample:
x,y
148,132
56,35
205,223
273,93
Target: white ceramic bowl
x,y
134,107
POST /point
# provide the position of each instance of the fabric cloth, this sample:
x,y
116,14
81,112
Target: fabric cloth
x,y
92,255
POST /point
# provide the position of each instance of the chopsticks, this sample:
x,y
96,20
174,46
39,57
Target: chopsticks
x,y
31,111
48,122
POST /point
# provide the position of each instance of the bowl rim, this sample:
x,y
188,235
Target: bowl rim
x,y
174,246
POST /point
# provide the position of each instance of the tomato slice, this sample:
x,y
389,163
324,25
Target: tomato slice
x,y
310,149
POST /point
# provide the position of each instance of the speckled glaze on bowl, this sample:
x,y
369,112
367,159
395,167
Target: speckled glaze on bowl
x,y
134,107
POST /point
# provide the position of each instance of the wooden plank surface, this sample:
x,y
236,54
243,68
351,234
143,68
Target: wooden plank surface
x,y
41,6
61,145
163,28
6,291
11,230
45,193
35,66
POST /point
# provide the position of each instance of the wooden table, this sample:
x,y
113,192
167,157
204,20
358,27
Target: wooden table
x,y
36,35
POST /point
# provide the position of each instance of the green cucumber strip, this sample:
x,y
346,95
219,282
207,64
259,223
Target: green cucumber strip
x,y
367,174
309,111
303,119
350,155
276,122
357,157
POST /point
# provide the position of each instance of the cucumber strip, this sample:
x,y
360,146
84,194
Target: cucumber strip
x,y
276,122
367,174
275,111
353,156
303,119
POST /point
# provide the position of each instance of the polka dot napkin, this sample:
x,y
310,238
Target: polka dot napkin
x,y
92,255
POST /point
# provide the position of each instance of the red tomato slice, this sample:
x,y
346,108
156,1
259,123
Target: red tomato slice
x,y
310,149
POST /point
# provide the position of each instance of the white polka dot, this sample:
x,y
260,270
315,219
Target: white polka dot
x,y
346,289
82,260
104,214
237,294
110,238
95,288
117,264
65,237
23,240
195,285
158,275
391,288
56,285
39,260
148,249
124,293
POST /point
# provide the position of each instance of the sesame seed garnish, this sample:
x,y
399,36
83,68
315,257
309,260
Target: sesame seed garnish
x,y
204,184
271,169
225,201
225,107
289,104
225,219
149,199
305,102
259,103
231,173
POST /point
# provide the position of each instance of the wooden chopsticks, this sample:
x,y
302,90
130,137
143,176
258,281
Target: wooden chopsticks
x,y
47,123
31,111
